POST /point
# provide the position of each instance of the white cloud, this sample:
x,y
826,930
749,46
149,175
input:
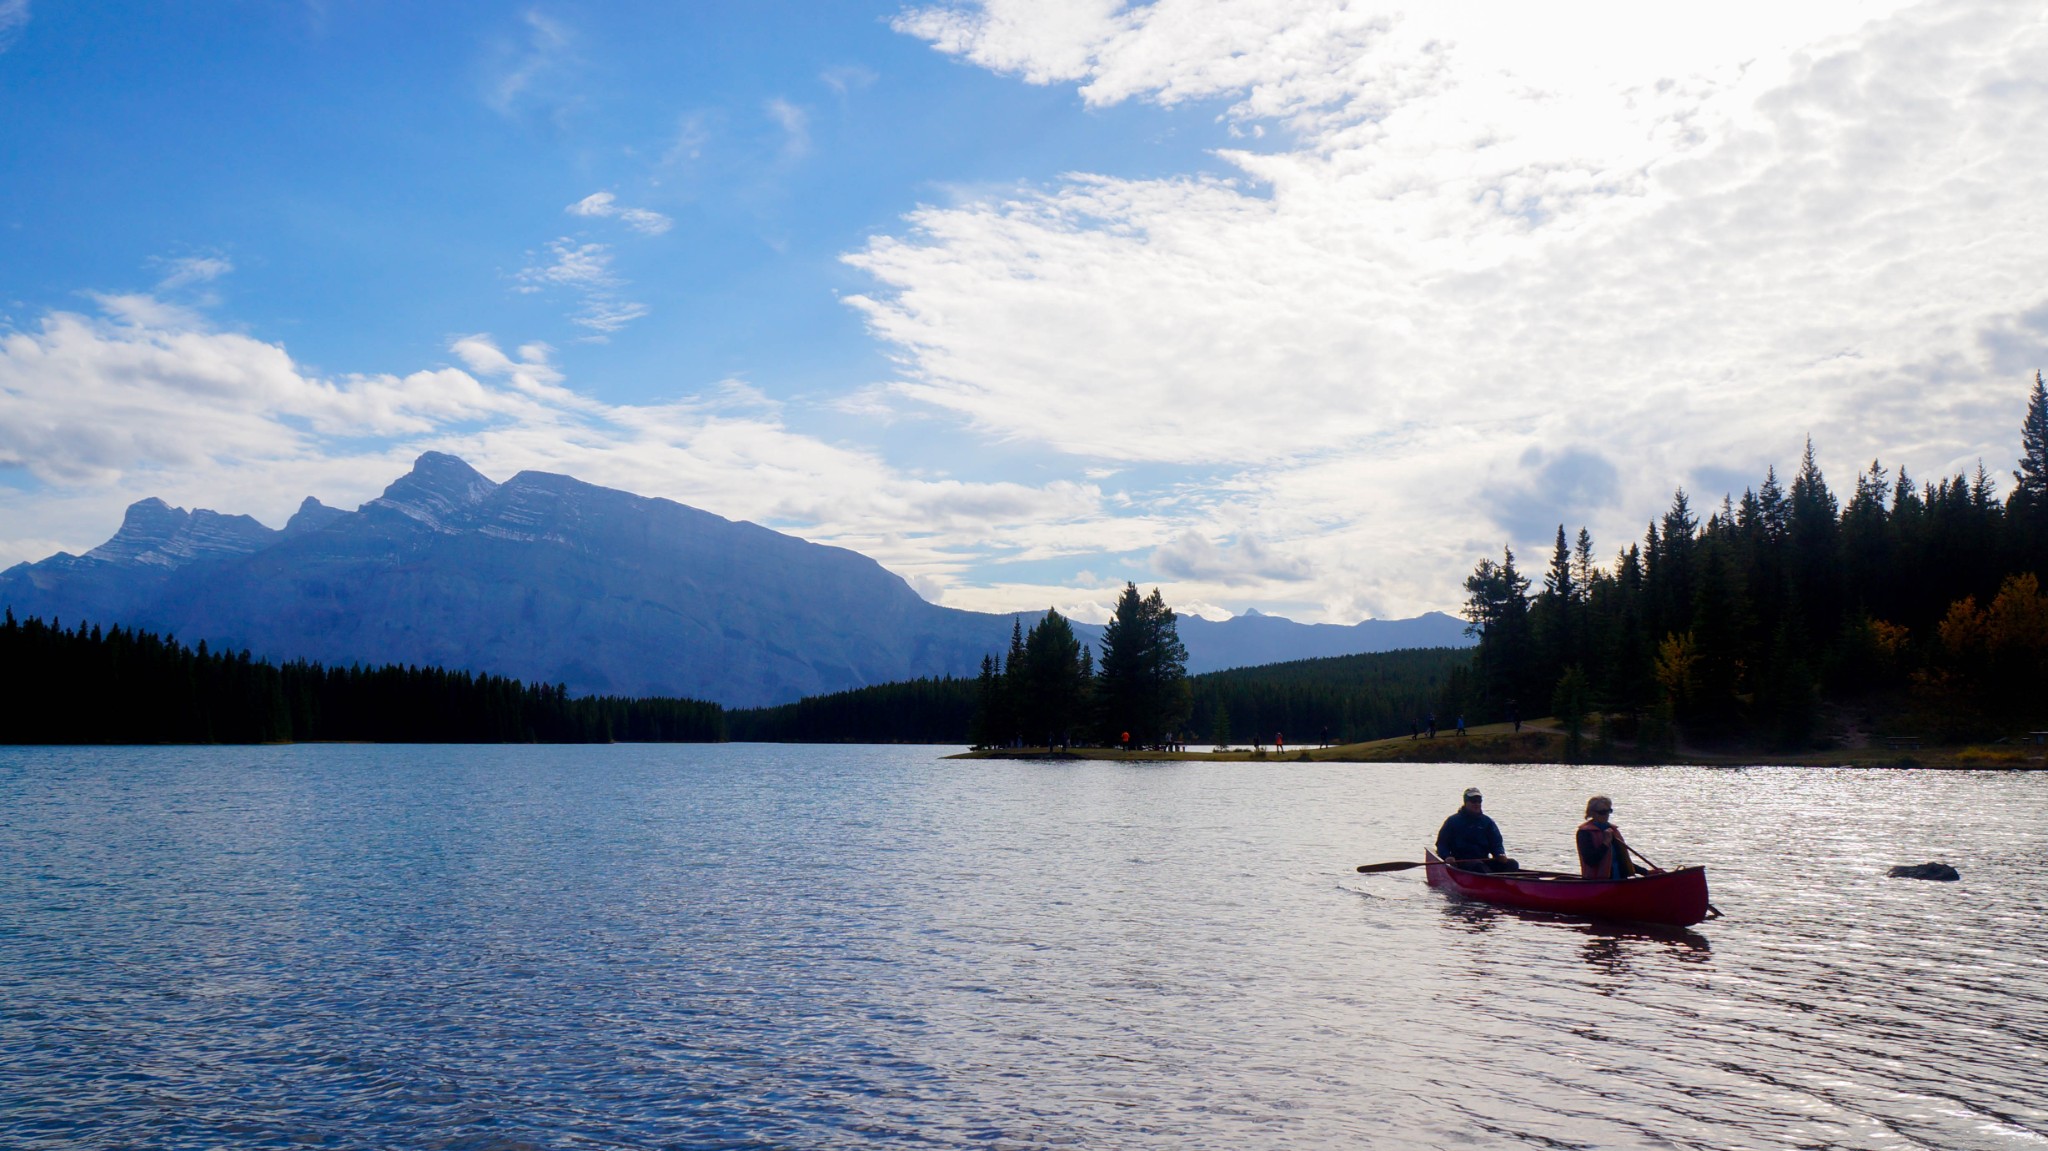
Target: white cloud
x,y
796,128
604,205
847,78
528,66
89,401
1193,556
585,269
101,411
693,133
185,271
1491,237
13,18
571,265
605,315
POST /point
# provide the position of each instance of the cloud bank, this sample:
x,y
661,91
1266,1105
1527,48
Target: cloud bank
x,y
1495,263
147,399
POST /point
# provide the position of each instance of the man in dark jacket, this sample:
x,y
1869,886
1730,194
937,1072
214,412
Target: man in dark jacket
x,y
1472,839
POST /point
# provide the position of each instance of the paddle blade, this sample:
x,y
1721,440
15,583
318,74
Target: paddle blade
x,y
1375,868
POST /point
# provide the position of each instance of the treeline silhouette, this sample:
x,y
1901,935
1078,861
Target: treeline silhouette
x,y
1354,697
122,685
1051,692
1909,608
1335,699
914,711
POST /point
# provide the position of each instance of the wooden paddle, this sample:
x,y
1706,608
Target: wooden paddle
x,y
1654,867
1405,864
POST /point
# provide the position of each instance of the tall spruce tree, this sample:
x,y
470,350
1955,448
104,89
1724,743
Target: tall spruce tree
x,y
1497,611
2027,507
984,729
1814,537
2031,479
1016,695
1141,683
1053,684
1556,615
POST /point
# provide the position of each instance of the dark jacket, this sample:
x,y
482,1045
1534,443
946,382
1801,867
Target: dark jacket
x,y
1598,860
1467,836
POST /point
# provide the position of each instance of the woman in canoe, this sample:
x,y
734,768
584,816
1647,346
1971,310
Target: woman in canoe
x,y
1603,853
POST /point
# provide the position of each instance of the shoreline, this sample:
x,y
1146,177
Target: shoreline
x,y
1539,743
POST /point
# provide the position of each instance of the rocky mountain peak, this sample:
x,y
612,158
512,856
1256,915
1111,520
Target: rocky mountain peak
x,y
438,491
312,516
154,533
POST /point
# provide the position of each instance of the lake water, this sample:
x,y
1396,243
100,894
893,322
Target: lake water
x,y
748,946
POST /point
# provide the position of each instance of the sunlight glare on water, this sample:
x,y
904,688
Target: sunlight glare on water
x,y
758,946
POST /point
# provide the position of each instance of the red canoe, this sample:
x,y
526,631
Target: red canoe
x,y
1676,898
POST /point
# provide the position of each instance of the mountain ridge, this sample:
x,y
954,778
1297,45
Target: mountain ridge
x,y
547,578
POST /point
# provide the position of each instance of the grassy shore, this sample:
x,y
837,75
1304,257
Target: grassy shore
x,y
1540,741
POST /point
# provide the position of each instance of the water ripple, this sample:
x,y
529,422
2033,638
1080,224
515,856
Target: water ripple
x,y
755,947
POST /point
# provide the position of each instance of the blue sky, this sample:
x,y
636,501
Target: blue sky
x,y
379,174
1275,303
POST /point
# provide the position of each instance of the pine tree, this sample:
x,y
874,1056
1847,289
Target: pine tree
x,y
1016,687
1556,613
2031,479
2027,507
1141,684
1172,700
982,730
1497,611
1813,537
1770,499
1052,677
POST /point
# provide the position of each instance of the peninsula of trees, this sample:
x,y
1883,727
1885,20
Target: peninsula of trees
x,y
1049,692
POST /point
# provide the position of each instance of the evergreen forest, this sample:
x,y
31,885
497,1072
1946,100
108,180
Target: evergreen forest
x,y
121,685
913,711
1349,697
1789,616
1336,699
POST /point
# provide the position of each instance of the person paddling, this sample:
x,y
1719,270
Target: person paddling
x,y
1603,853
1471,838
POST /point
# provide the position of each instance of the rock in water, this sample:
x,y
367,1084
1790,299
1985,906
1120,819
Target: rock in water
x,y
1937,871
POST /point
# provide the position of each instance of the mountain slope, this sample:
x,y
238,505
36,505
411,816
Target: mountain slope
x,y
546,578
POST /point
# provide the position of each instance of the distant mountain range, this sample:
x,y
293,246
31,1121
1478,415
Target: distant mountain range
x,y
547,578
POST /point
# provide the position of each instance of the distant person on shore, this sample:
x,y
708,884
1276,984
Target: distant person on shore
x,y
1279,744
1471,838
1603,853
1432,725
1461,725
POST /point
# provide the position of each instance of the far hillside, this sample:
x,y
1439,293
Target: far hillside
x,y
1352,697
1337,699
